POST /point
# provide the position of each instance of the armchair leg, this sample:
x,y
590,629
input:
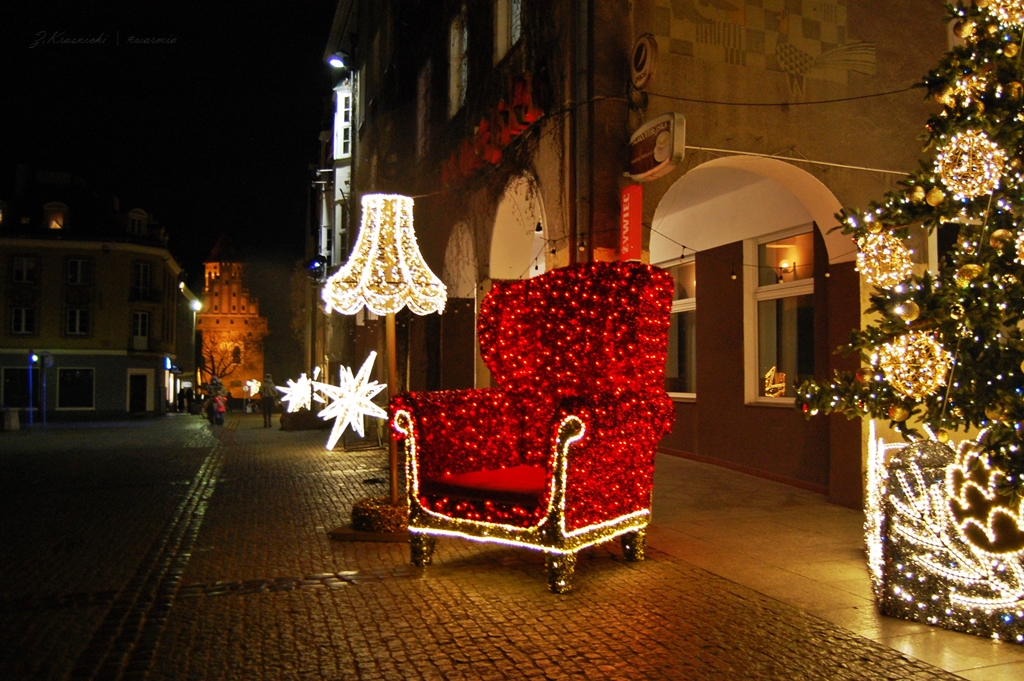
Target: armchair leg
x,y
421,548
634,544
560,568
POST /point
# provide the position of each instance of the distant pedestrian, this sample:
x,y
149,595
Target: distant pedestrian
x,y
220,405
189,397
268,395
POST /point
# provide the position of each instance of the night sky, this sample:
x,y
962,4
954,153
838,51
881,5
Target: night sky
x,y
212,133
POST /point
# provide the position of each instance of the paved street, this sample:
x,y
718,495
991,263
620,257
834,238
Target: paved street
x,y
166,549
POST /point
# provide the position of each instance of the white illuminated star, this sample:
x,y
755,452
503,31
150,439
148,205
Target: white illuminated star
x,y
299,394
351,401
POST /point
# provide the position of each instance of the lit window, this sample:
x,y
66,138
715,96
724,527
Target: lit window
x,y
780,345
3,212
23,269
56,215
458,62
79,272
77,322
75,388
137,221
680,370
23,320
423,110
343,121
508,26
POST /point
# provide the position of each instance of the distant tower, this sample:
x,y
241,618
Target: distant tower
x,y
231,328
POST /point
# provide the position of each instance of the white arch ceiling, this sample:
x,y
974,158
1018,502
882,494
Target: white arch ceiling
x,y
734,198
517,249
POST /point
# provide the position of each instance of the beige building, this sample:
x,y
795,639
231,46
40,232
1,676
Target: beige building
x,y
95,294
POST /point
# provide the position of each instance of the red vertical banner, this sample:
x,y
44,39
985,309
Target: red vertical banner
x,y
631,223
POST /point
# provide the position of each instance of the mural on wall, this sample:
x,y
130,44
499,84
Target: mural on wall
x,y
804,39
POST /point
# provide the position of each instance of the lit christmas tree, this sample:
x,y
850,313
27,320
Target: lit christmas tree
x,y
945,528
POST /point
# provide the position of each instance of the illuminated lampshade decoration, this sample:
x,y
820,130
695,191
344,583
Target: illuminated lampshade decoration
x,y
915,364
884,260
300,394
1008,12
386,271
944,546
970,164
351,400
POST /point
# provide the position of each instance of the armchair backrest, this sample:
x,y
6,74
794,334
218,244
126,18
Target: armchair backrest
x,y
595,327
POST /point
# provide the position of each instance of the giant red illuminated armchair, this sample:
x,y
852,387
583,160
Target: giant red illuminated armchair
x,y
560,454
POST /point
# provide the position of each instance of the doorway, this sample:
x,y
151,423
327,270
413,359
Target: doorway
x,y
138,392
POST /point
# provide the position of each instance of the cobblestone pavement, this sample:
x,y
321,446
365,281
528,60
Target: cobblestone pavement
x,y
170,550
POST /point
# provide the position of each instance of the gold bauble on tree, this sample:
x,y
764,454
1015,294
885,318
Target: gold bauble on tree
x,y
899,413
908,311
942,436
1020,248
966,274
970,164
994,412
956,311
916,194
1008,12
874,227
915,364
1011,50
934,197
964,29
884,260
1000,238
1015,91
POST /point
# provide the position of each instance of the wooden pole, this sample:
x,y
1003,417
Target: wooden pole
x,y
392,391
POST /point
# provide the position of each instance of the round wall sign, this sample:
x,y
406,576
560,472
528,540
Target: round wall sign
x,y
644,60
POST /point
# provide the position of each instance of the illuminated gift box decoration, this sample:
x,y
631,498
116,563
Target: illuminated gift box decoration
x,y
560,454
945,547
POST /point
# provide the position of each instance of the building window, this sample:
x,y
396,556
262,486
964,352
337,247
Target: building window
x,y
23,269
508,26
681,368
343,122
75,388
780,315
423,110
79,272
458,62
236,355
3,212
55,215
140,279
137,221
15,387
140,330
23,320
77,322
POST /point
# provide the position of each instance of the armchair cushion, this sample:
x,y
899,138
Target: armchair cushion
x,y
520,485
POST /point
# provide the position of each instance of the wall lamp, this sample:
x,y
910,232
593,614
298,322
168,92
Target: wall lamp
x,y
337,60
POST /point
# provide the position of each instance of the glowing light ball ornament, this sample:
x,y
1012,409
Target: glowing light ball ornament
x,y
970,164
915,365
351,400
1008,12
386,271
884,260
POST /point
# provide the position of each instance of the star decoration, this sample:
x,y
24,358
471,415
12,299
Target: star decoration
x,y
299,394
351,401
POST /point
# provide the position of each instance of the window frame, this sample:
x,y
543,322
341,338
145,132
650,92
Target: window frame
x,y
80,267
458,62
22,260
138,315
753,294
23,332
507,33
52,210
78,313
92,406
139,290
683,305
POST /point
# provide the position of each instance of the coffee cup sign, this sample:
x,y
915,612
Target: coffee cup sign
x,y
657,147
